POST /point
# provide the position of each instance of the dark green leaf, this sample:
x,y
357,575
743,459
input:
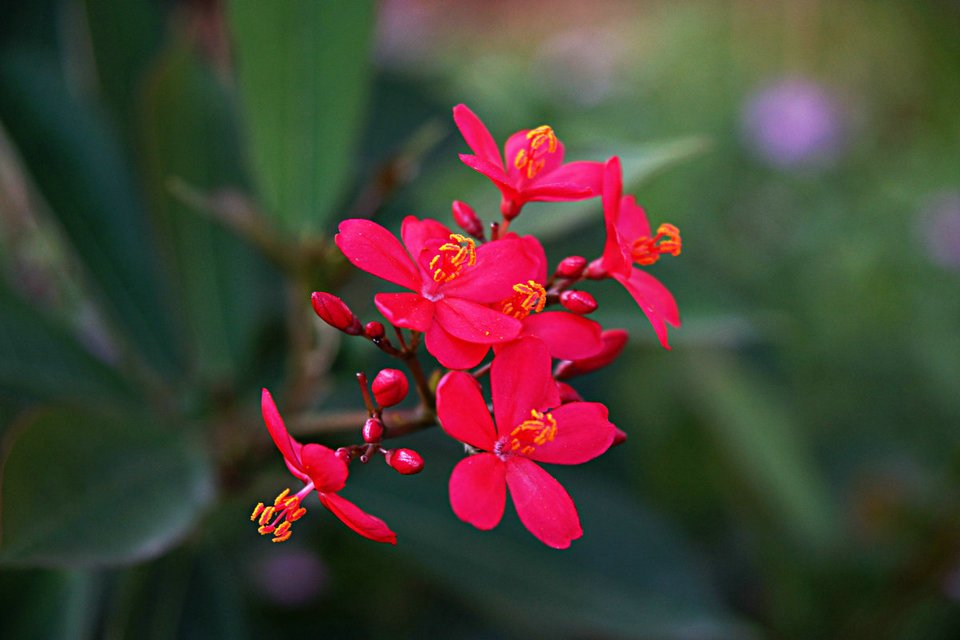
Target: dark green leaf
x,y
55,605
86,490
76,162
41,361
303,74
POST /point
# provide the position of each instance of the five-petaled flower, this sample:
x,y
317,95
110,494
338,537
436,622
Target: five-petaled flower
x,y
452,281
629,241
534,169
319,468
529,425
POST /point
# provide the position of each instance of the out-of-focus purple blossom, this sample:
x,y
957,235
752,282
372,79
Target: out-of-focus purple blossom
x,y
291,577
794,122
939,228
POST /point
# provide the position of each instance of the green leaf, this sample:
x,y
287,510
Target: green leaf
x,y
84,175
57,605
226,290
764,446
639,166
41,361
630,576
303,72
80,489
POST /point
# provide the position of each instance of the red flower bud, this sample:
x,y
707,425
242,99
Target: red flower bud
x,y
405,461
595,270
372,430
579,302
344,454
571,267
619,437
335,312
467,220
568,393
614,341
389,387
373,330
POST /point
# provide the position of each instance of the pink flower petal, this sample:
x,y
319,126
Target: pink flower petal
x,y
583,433
357,519
518,142
567,335
544,506
500,265
654,299
463,412
556,192
632,222
492,171
451,352
478,491
377,251
289,447
614,260
416,232
521,380
410,310
477,135
326,470
475,323
583,173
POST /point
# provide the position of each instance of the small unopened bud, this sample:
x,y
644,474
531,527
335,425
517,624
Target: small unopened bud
x,y
389,387
467,220
568,393
335,312
614,340
595,270
373,330
579,302
344,454
571,267
405,461
619,437
372,430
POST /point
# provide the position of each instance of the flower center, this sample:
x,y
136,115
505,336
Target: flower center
x,y
540,142
280,516
528,297
532,432
645,250
452,257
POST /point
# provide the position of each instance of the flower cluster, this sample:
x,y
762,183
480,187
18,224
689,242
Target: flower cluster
x,y
467,295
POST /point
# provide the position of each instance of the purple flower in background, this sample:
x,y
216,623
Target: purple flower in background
x,y
793,122
939,227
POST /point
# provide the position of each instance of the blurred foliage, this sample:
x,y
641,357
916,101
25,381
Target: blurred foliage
x,y
170,176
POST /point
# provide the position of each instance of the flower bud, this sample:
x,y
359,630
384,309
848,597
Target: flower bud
x,y
344,454
372,430
467,220
595,270
571,267
614,340
335,312
579,302
619,437
405,461
373,330
568,393
389,387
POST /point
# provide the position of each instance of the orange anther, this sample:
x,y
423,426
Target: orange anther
x,y
452,257
536,430
540,142
529,297
279,517
645,250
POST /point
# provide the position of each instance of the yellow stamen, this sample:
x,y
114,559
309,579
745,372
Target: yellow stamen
x,y
279,517
529,297
452,257
533,432
645,250
540,142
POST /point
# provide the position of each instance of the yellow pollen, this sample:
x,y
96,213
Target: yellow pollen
x,y
645,250
278,517
533,432
452,257
540,142
529,297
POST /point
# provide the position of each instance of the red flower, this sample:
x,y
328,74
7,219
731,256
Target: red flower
x,y
452,282
321,469
529,426
534,169
568,336
629,241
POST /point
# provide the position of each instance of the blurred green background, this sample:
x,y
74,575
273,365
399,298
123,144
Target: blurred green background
x,y
171,174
